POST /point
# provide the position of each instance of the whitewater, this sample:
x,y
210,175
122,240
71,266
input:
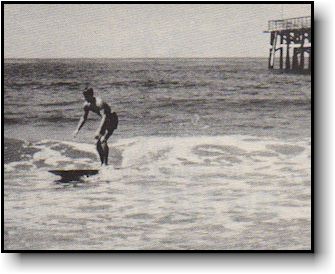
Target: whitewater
x,y
223,192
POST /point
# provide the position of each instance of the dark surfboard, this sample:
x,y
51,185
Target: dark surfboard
x,y
74,174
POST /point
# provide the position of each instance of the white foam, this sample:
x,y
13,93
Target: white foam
x,y
231,157
240,157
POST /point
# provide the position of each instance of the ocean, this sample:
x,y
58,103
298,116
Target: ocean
x,y
208,154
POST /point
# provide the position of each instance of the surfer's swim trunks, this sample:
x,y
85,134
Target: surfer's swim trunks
x,y
110,124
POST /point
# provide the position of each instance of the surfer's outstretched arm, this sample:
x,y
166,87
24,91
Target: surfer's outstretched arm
x,y
82,120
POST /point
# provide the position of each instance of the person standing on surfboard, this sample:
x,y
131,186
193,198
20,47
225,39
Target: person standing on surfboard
x,y
109,122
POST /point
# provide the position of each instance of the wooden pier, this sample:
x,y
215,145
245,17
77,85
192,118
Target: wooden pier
x,y
292,39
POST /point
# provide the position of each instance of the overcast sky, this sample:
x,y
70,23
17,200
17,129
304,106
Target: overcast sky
x,y
113,31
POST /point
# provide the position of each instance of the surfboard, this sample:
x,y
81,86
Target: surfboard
x,y
73,174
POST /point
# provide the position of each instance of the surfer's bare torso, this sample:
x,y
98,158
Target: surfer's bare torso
x,y
97,106
101,108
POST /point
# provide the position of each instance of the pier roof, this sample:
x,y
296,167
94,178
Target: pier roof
x,y
289,24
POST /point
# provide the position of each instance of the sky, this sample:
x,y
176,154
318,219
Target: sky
x,y
141,31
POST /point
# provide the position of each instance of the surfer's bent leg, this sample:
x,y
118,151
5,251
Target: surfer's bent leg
x,y
105,152
101,147
105,146
100,151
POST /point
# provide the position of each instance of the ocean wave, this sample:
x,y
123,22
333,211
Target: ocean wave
x,y
269,102
156,83
59,104
18,150
198,104
65,83
173,84
56,118
182,157
47,118
24,84
13,121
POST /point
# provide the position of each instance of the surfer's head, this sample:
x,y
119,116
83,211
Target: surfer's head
x,y
88,94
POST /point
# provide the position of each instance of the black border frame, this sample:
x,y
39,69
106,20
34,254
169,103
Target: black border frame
x,y
312,250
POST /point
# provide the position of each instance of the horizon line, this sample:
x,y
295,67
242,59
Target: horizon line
x,y
218,57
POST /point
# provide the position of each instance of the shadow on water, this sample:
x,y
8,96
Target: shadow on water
x,y
69,183
73,177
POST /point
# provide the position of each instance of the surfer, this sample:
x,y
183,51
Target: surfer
x,y
108,122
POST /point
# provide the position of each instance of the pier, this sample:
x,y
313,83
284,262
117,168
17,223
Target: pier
x,y
290,45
